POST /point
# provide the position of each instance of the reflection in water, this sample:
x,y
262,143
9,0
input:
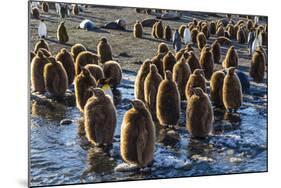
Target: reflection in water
x,y
200,149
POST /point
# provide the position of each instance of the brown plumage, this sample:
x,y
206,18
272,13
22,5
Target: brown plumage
x,y
169,61
137,135
199,114
207,62
181,73
220,32
84,58
37,72
196,79
41,44
35,13
193,35
241,36
45,7
179,54
159,30
55,78
100,118
112,71
231,31
62,33
224,41
212,27
167,33
151,84
181,30
31,56
216,84
76,49
68,63
83,82
104,50
96,71
139,81
216,52
231,58
157,61
257,66
201,40
45,52
162,48
153,31
138,30
193,62
189,48
250,24
232,91
75,10
168,101
205,30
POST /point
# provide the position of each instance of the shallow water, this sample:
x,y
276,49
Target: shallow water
x,y
61,154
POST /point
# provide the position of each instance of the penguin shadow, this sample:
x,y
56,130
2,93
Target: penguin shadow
x,y
199,148
98,30
168,136
153,39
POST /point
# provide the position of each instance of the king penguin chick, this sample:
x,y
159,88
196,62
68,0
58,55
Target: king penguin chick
x,y
96,71
181,73
216,52
41,44
216,84
76,49
100,118
201,40
199,114
138,30
258,66
167,33
68,63
62,33
83,82
196,79
84,58
162,48
232,91
104,50
169,61
137,135
112,71
193,62
207,62
168,101
231,58
159,30
55,78
157,61
139,81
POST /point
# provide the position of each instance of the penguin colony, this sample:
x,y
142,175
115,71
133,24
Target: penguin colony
x,y
161,84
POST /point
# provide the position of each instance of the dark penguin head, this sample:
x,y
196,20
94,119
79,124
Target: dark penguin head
x,y
138,105
195,22
103,40
97,92
231,70
52,60
153,68
63,50
40,54
185,54
62,23
231,49
198,91
168,75
182,60
199,72
85,72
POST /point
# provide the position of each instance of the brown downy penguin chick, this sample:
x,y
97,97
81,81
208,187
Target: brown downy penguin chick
x,y
45,7
212,28
181,30
137,135
151,84
257,66
62,33
224,41
220,32
153,31
205,30
199,114
231,58
169,61
96,71
232,91
168,101
157,61
104,50
76,49
207,62
45,52
68,63
193,62
193,35
139,81
75,10
179,54
231,31
189,48
201,40
35,13
83,59
55,78
41,44
216,84
181,73
159,30
216,52
167,33
250,24
241,36
83,82
100,118
162,48
138,30
196,79
112,71
37,72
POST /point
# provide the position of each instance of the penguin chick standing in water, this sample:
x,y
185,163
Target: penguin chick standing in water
x,y
62,33
42,29
199,114
83,82
113,72
55,78
168,101
139,81
181,73
68,63
216,84
137,135
232,91
100,118
176,41
196,79
151,84
104,50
